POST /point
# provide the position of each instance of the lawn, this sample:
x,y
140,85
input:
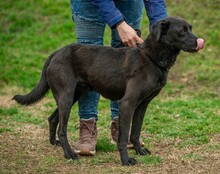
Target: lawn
x,y
182,124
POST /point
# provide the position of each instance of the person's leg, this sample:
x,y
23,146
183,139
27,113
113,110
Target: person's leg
x,y
156,10
114,109
132,11
89,28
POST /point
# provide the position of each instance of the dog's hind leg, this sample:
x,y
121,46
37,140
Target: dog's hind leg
x,y
65,101
53,122
63,87
136,128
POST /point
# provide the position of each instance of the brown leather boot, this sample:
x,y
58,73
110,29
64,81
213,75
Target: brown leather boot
x,y
86,145
114,130
114,133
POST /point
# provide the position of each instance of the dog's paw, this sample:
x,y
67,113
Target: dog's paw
x,y
130,162
72,156
55,142
143,151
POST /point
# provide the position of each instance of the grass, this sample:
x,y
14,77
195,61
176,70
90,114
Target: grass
x,y
181,126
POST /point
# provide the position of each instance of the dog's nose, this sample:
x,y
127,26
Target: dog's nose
x,y
200,44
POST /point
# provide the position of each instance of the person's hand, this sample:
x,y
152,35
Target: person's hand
x,y
128,35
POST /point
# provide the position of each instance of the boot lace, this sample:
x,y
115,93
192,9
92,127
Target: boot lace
x,y
87,132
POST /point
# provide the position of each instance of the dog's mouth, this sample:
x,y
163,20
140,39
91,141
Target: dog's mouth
x,y
199,45
190,50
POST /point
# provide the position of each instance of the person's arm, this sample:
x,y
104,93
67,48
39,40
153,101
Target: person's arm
x,y
156,10
115,19
109,12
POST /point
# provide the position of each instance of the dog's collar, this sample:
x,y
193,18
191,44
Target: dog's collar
x,y
158,64
152,60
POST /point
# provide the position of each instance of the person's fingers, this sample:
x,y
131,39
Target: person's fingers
x,y
139,40
133,44
130,43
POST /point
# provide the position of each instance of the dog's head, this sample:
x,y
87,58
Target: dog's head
x,y
177,33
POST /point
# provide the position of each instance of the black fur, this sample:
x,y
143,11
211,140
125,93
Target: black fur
x,y
134,76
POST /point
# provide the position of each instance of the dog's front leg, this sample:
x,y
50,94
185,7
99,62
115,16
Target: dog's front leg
x,y
126,111
136,128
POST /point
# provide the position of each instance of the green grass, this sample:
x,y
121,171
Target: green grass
x,y
185,115
19,116
33,31
149,160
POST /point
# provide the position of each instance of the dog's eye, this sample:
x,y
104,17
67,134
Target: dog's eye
x,y
183,30
190,27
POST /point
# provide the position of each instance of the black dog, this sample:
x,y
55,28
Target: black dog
x,y
134,76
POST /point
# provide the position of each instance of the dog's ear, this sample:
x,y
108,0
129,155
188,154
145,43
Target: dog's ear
x,y
160,28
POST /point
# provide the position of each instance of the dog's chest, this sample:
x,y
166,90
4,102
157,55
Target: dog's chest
x,y
162,79
160,82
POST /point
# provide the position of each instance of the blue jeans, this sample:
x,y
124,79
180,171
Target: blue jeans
x,y
90,27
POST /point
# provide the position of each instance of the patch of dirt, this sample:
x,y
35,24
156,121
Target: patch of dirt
x,y
190,160
26,149
5,101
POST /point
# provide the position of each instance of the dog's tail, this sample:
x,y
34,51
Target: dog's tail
x,y
39,91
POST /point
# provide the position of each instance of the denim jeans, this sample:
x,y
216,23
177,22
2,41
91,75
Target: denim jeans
x,y
90,27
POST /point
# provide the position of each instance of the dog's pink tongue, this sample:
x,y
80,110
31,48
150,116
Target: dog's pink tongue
x,y
200,44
